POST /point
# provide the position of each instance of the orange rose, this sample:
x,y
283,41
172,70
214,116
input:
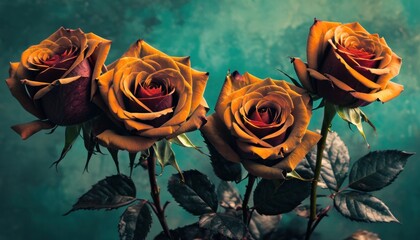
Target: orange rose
x,y
261,123
53,80
348,66
151,96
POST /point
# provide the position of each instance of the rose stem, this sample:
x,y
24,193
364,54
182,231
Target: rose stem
x,y
249,186
329,113
154,191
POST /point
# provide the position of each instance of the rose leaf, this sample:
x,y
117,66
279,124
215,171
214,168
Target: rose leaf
x,y
71,134
271,198
363,234
165,155
192,231
224,169
196,193
362,207
225,224
261,226
110,193
135,222
305,169
229,196
335,161
377,169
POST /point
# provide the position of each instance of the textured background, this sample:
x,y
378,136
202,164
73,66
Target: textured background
x,y
218,35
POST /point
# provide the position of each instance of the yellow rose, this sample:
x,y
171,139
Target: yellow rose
x,y
261,123
348,66
54,79
151,96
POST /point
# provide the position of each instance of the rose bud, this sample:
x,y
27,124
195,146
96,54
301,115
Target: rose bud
x,y
150,96
348,66
262,124
54,79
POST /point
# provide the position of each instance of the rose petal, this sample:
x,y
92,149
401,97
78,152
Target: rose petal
x,y
302,74
293,159
218,136
196,121
132,144
28,129
391,91
394,69
317,43
263,171
19,92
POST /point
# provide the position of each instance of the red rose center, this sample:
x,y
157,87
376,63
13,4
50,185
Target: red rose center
x,y
262,117
60,58
157,96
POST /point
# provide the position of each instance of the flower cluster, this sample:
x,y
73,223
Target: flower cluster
x,y
146,95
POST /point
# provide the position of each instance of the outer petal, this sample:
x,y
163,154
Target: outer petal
x,y
263,171
133,144
316,41
301,70
394,70
28,129
293,159
218,136
391,91
196,121
19,92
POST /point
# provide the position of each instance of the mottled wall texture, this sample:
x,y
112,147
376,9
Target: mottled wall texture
x,y
250,35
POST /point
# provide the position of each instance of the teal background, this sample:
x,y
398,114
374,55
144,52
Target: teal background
x,y
249,35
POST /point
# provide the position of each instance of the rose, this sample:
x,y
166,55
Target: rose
x,y
261,123
53,80
151,96
348,66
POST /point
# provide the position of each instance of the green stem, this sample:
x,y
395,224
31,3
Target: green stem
x,y
329,113
155,190
245,212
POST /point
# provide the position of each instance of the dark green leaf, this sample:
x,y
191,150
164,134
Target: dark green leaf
x,y
362,207
271,198
377,169
355,116
110,193
225,224
165,155
335,161
71,134
224,169
305,169
228,195
135,222
363,235
193,231
196,194
262,225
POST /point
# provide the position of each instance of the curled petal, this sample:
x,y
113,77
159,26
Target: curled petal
x,y
19,92
301,70
317,42
132,144
218,136
263,171
196,121
28,129
391,91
